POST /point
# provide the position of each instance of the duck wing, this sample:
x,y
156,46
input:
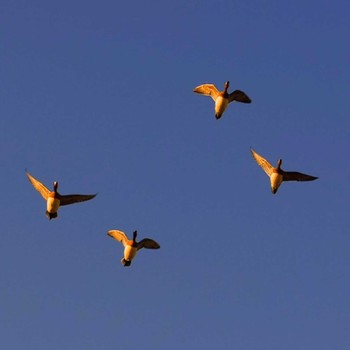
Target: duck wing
x,y
239,96
262,162
42,189
295,176
75,198
207,90
148,244
119,236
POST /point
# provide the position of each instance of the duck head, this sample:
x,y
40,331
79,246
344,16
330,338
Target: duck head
x,y
55,186
227,84
279,163
134,235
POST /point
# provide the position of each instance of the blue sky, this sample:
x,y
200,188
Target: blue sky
x,y
98,96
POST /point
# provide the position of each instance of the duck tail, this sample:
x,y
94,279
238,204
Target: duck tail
x,y
126,262
51,215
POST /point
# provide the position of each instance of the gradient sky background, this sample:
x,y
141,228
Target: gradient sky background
x,y
98,96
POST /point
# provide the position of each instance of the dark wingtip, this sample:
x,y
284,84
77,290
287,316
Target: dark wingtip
x,y
246,100
312,178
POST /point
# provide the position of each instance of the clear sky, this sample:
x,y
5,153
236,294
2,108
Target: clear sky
x,y
98,96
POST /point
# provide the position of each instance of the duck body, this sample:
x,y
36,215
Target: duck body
x,y
221,104
276,180
52,205
131,246
53,199
130,251
222,98
277,175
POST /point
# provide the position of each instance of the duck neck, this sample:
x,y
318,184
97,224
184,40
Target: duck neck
x,y
279,163
226,86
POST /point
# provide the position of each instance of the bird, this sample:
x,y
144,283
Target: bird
x,y
54,199
277,175
131,247
222,98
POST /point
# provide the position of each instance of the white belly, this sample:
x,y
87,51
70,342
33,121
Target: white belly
x,y
275,180
129,252
220,105
53,204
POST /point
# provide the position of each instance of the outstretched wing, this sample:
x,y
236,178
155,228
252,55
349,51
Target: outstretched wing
x,y
265,165
295,176
239,96
207,90
119,236
148,244
75,198
42,189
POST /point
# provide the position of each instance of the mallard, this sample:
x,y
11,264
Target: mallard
x,y
54,199
277,175
222,98
131,247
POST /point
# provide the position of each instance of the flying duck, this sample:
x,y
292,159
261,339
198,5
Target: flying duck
x,y
131,246
222,98
54,199
277,175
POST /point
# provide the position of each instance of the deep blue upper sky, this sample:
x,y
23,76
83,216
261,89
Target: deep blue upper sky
x,y
98,96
